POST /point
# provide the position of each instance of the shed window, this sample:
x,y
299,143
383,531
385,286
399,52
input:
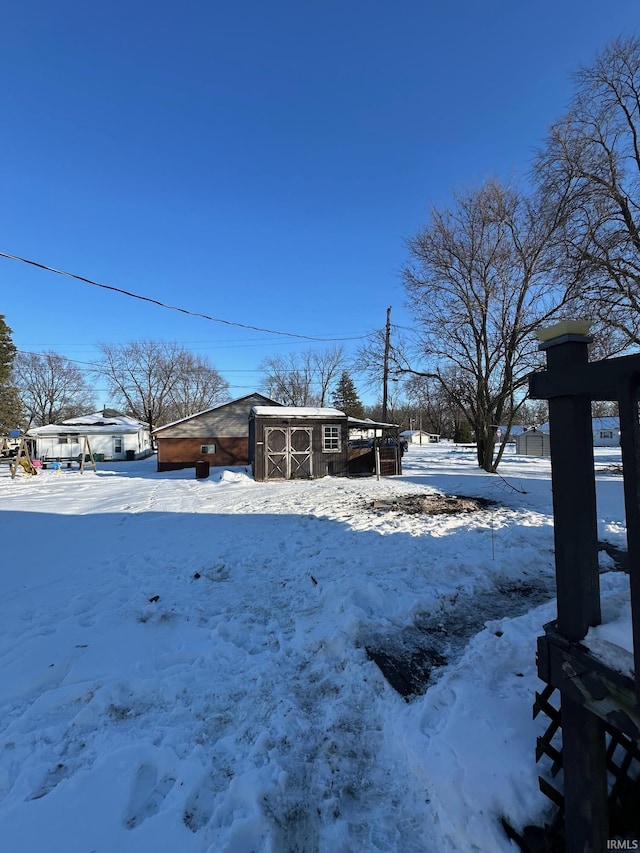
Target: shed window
x,y
606,433
331,438
207,448
62,439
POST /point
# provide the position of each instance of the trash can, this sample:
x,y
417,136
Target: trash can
x,y
131,455
202,469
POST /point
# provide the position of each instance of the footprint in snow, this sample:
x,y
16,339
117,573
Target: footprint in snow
x,y
199,808
147,795
52,779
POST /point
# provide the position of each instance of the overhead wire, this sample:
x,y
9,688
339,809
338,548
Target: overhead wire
x,y
172,307
95,366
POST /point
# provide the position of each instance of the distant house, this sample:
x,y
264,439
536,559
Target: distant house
x,y
219,435
112,436
606,431
418,436
533,442
296,442
516,430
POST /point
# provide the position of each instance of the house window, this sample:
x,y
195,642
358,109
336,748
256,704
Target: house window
x,y
62,439
207,448
117,445
330,438
606,433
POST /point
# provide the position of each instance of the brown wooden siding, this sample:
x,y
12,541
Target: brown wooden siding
x,y
227,419
390,461
323,463
176,453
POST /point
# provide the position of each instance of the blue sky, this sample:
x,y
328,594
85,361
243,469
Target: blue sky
x,y
258,162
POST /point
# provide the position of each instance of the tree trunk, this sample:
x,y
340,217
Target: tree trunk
x,y
485,446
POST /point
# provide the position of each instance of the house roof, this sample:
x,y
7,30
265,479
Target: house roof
x,y
95,422
596,424
215,408
108,417
606,423
516,429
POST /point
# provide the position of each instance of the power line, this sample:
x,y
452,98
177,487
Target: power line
x,y
94,367
169,307
55,355
207,344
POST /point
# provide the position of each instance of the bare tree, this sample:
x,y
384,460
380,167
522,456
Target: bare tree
x,y
432,408
303,379
52,388
479,282
591,167
156,380
370,359
327,368
396,408
198,386
289,379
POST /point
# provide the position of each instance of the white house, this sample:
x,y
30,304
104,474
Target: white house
x,y
419,436
112,436
606,431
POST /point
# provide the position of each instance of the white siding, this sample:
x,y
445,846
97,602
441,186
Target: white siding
x,y
50,447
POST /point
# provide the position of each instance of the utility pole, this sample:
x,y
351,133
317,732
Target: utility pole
x,y
385,372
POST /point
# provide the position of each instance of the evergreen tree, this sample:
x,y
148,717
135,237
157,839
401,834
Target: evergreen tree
x,y
345,397
463,433
7,352
10,407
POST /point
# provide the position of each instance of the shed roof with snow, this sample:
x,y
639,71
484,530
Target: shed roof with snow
x,y
297,412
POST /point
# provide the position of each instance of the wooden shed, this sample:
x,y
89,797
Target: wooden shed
x,y
289,443
219,435
533,442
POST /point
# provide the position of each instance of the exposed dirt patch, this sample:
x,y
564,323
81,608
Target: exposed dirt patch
x,y
433,504
413,657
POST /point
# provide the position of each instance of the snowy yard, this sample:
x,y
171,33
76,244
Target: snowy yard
x,y
187,664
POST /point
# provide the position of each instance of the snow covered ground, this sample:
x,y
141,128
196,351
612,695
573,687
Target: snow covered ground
x,y
184,662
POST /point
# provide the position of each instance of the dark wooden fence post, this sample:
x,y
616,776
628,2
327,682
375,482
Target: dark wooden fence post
x,y
629,409
574,496
577,577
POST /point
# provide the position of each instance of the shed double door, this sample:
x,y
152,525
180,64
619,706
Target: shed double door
x,y
288,452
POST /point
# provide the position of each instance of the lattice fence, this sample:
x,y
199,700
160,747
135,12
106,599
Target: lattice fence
x,y
623,766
